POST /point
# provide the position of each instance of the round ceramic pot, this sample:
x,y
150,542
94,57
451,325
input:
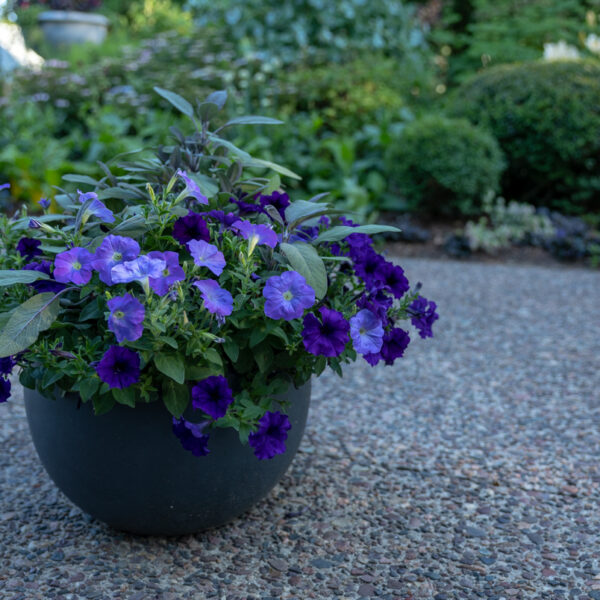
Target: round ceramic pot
x,y
66,27
128,469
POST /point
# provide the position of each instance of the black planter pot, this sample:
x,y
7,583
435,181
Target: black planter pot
x,y
126,467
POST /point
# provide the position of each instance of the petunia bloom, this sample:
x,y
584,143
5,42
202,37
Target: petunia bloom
x,y
191,187
280,200
4,389
394,344
5,186
114,250
393,279
216,300
207,255
192,436
327,337
269,439
7,364
44,202
140,269
96,208
171,273
44,285
212,395
29,248
73,266
423,315
126,319
119,367
369,265
287,296
366,332
190,227
256,234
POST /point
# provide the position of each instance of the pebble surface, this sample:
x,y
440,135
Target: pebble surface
x,y
469,470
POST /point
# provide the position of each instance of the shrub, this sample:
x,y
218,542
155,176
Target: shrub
x,y
546,117
443,167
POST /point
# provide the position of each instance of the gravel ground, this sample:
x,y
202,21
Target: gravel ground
x,y
470,471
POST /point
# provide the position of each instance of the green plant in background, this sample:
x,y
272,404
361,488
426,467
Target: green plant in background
x,y
546,117
443,167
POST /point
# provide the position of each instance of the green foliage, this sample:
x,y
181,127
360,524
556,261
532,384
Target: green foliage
x,y
546,117
441,166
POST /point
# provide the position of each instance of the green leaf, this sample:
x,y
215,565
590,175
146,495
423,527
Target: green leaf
x,y
263,355
102,404
51,377
181,104
305,260
13,277
252,120
213,356
4,318
267,164
231,349
88,387
175,397
169,341
219,98
301,209
258,335
27,321
80,179
339,232
125,396
171,365
92,310
198,373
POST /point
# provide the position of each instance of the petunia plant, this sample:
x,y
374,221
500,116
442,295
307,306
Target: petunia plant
x,y
192,279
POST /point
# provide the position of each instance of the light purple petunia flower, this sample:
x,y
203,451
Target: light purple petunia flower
x,y
256,234
44,202
96,207
287,296
172,272
366,332
207,255
139,269
191,187
114,250
5,186
269,439
126,318
216,300
74,266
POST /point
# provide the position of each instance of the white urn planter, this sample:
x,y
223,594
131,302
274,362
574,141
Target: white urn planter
x,y
65,27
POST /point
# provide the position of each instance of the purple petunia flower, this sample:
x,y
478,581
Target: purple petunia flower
x,y
44,202
74,266
126,319
96,207
190,227
44,285
256,234
191,436
424,315
378,303
287,296
212,395
269,439
191,187
280,200
4,389
394,344
119,367
207,255
246,208
7,364
171,274
140,269
5,186
114,250
226,219
393,278
369,265
327,337
366,332
216,300
29,248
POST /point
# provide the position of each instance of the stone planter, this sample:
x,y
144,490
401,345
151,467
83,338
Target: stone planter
x,y
62,27
126,467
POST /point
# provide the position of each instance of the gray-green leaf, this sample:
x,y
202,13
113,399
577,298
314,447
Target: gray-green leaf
x,y
175,397
171,365
11,277
252,120
305,260
181,104
335,234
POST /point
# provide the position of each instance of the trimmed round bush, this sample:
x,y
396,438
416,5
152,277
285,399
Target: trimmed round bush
x,y
546,117
443,167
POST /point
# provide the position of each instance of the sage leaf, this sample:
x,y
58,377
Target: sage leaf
x,y
305,260
181,104
10,277
339,232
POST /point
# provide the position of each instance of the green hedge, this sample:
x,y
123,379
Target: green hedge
x,y
546,117
443,167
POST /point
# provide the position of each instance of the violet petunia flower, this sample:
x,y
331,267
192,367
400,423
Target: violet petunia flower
x,y
287,296
171,274
423,315
44,203
29,248
119,367
327,337
269,439
280,200
226,219
216,300
394,344
366,332
44,285
246,208
5,186
126,319
5,388
114,250
7,364
378,303
369,265
212,395
191,436
96,207
140,269
73,266
190,227
256,234
207,255
191,187
393,278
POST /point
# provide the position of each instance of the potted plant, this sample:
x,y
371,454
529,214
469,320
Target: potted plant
x,y
168,323
70,21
